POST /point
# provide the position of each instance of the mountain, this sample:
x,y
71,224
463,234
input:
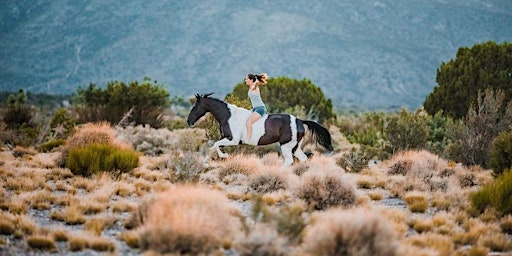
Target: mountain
x,y
377,54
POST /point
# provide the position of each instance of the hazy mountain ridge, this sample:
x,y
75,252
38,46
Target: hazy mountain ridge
x,y
372,54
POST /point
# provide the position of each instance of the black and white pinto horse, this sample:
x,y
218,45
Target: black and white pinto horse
x,y
285,129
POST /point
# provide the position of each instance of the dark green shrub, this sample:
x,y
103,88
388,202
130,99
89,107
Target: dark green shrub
x,y
96,158
500,156
406,130
497,194
140,103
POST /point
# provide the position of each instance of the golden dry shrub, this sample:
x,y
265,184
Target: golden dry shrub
x,y
91,133
349,232
325,188
189,220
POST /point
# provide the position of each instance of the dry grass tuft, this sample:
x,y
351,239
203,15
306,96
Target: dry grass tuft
x,y
417,201
96,225
131,238
61,235
349,232
42,242
7,226
442,245
187,219
78,243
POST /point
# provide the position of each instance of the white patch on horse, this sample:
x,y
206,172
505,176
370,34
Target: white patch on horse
x,y
237,124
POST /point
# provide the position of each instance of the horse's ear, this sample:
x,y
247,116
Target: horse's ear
x,y
208,94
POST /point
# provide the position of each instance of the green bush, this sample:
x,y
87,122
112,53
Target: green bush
x,y
497,195
96,158
500,155
483,66
406,130
140,103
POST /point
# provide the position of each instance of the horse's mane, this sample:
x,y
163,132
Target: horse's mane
x,y
207,96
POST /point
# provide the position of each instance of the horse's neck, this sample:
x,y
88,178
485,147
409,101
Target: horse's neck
x,y
219,110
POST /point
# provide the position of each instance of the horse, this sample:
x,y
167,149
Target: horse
x,y
285,129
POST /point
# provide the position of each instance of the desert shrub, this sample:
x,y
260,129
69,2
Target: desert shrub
x,y
262,239
401,167
357,159
235,167
185,167
498,194
97,157
90,133
266,182
500,155
290,222
188,220
367,129
349,232
51,144
324,188
152,141
472,138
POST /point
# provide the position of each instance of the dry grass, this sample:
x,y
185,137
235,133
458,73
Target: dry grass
x,y
97,224
161,216
349,232
417,201
42,242
325,188
188,219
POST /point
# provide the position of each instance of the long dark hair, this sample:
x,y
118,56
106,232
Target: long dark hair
x,y
262,78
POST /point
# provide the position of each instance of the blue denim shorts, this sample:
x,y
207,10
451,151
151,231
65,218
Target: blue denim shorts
x,y
260,110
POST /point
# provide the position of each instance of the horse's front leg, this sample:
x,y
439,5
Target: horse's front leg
x,y
223,142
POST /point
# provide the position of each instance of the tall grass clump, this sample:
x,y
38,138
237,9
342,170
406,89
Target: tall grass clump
x,y
498,194
89,133
187,220
349,232
96,158
323,189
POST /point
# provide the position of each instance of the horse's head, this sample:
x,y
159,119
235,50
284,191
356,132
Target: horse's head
x,y
198,110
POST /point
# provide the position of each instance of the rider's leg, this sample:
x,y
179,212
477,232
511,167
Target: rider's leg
x,y
250,121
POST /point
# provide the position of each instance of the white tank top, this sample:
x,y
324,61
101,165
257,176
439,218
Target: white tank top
x,y
255,98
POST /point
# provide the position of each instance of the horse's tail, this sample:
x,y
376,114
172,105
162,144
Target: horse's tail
x,y
321,134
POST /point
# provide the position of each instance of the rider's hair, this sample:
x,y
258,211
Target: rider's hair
x,y
261,78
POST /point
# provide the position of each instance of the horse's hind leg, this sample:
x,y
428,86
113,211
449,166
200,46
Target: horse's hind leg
x,y
286,151
299,153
